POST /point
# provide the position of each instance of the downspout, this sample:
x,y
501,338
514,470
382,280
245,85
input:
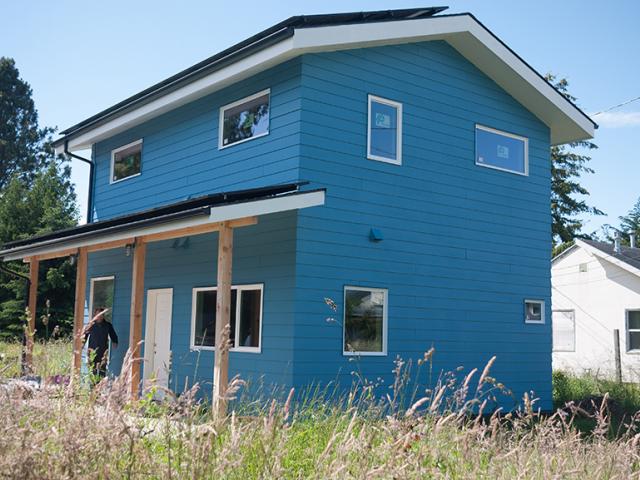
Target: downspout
x,y
27,287
91,179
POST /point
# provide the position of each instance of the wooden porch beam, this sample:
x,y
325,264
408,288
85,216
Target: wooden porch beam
x,y
78,310
200,229
135,321
223,316
34,267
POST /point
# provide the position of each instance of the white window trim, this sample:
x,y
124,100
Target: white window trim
x,y
628,331
398,106
91,283
575,338
385,321
542,311
239,288
505,134
113,159
224,108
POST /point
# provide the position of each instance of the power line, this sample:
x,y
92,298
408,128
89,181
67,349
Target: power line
x,y
616,106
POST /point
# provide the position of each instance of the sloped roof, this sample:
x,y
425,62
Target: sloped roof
x,y
628,255
315,33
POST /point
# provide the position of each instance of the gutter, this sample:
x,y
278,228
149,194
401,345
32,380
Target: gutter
x,y
91,178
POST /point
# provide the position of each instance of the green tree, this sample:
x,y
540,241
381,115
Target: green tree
x,y
36,197
568,164
24,146
630,223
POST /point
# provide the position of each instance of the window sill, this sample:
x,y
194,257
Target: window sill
x,y
235,349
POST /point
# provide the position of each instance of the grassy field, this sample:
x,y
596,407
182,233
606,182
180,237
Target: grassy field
x,y
73,432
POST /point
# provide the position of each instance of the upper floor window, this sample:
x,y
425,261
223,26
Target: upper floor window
x,y
126,161
365,321
502,150
384,131
245,119
245,318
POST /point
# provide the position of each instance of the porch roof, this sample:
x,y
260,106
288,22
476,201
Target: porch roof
x,y
192,216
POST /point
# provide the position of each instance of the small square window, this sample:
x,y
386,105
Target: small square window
x,y
245,119
501,150
534,311
633,331
384,131
126,161
365,321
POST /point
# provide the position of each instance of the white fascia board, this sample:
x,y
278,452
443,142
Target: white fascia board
x,y
236,71
463,32
609,258
218,214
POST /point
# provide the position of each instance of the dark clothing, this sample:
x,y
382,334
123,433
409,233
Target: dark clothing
x,y
99,334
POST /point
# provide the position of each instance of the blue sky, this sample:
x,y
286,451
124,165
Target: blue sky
x,y
81,57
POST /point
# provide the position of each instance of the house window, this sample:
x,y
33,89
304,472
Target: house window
x,y
564,330
126,161
245,119
101,296
246,318
365,321
534,311
501,150
384,131
633,330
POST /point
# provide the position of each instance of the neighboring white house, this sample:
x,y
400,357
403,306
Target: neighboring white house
x,y
596,290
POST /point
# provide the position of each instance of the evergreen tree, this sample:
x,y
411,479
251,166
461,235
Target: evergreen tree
x,y
36,197
567,194
630,223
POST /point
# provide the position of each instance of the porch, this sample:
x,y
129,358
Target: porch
x,y
134,235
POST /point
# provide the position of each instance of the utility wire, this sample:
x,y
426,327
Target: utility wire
x,y
616,106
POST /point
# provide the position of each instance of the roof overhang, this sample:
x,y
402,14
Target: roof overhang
x,y
609,258
184,222
464,32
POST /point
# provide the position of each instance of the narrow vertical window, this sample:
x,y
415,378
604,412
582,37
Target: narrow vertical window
x,y
365,321
126,161
384,131
564,330
101,296
633,331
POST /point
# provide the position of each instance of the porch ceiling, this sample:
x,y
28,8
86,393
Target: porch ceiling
x,y
190,217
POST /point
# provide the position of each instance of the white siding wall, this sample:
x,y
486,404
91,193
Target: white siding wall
x,y
599,297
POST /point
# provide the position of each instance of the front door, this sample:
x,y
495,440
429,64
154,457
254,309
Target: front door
x,y
157,353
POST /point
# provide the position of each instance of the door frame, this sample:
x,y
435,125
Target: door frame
x,y
150,329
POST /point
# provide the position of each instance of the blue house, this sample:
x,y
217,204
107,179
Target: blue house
x,y
396,162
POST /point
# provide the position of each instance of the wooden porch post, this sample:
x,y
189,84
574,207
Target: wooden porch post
x,y
223,316
78,311
135,321
34,266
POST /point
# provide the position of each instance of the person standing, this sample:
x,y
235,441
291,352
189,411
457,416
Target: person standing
x,y
98,331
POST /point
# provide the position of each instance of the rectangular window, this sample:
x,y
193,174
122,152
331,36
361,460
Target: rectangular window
x,y
502,150
126,161
534,311
633,331
245,119
384,131
563,323
246,318
365,321
101,296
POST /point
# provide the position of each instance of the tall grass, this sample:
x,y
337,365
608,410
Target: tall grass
x,y
70,432
49,358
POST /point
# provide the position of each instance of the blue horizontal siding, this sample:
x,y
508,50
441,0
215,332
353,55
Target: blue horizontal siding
x,y
463,245
180,156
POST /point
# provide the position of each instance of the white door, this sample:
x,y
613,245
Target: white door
x,y
157,353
